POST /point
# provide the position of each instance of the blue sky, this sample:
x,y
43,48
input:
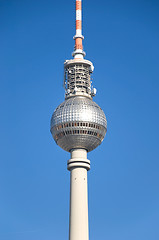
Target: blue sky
x,y
122,41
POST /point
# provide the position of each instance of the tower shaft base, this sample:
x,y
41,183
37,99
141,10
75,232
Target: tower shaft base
x,y
78,166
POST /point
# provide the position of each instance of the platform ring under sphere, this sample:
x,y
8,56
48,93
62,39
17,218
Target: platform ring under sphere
x,y
78,122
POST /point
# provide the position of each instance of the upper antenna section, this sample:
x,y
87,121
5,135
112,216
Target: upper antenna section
x,y
78,49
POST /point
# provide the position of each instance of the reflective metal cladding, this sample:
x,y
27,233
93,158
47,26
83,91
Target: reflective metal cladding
x,y
78,122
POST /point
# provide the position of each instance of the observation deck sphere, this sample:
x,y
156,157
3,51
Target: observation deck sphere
x,y
78,122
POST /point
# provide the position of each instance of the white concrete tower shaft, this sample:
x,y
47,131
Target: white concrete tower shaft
x,y
78,166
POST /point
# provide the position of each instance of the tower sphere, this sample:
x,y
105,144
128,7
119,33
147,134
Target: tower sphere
x,y
78,122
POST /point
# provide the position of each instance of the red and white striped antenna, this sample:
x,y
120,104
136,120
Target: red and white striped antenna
x,y
78,50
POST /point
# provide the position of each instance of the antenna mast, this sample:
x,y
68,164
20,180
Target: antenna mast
x,y
78,49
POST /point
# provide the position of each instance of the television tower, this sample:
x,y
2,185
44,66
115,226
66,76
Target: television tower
x,y
78,125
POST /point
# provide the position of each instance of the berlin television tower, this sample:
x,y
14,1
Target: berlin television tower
x,y
78,125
